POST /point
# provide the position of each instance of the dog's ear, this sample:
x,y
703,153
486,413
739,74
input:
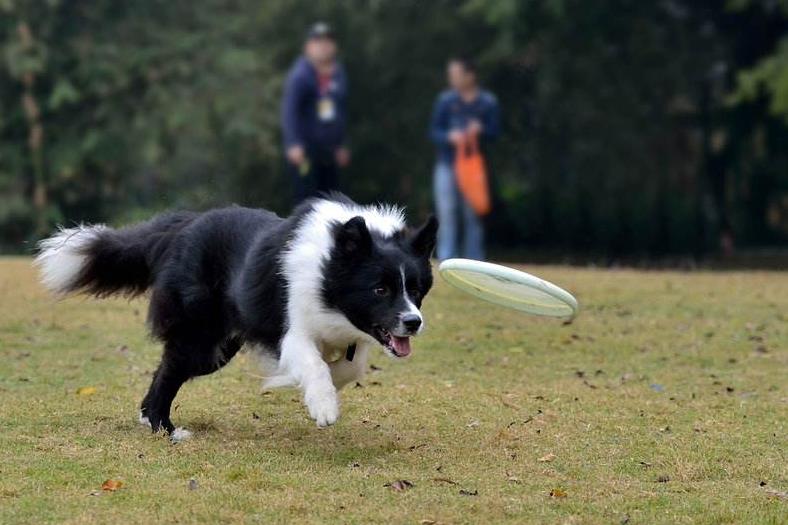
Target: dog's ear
x,y
352,238
424,238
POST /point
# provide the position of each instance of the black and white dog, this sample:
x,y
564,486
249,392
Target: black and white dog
x,y
334,277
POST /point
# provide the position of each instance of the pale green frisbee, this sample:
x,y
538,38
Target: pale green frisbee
x,y
509,287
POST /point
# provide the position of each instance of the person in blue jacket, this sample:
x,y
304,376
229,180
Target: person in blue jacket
x,y
314,116
463,109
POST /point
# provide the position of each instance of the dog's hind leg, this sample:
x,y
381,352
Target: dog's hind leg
x,y
180,362
155,409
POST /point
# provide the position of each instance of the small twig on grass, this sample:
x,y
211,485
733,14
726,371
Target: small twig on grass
x,y
445,480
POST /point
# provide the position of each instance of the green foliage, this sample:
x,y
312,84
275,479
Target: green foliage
x,y
610,110
769,75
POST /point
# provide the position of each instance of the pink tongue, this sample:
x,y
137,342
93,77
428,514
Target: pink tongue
x,y
401,345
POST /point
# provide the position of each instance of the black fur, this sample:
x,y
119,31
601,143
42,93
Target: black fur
x,y
124,261
362,262
217,282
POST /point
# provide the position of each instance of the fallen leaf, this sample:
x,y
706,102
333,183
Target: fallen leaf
x,y
111,485
464,492
558,493
663,478
513,479
86,390
546,458
473,424
400,485
193,485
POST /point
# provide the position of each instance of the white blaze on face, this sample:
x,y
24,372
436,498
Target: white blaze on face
x,y
412,309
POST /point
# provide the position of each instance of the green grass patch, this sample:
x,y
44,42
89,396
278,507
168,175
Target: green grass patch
x,y
664,402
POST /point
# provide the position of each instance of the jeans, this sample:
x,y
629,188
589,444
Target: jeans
x,y
450,205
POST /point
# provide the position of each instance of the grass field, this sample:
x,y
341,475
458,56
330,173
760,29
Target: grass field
x,y
664,402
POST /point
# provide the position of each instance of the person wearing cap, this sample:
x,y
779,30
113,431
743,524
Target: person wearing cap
x,y
314,116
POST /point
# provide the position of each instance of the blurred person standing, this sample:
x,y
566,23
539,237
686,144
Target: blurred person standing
x,y
461,113
314,116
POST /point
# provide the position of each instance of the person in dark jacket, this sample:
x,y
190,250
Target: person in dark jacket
x,y
463,109
314,116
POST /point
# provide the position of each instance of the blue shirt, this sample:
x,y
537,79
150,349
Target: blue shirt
x,y
451,112
313,119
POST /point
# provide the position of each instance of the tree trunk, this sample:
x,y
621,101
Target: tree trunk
x,y
35,139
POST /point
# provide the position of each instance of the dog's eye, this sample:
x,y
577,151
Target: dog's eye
x,y
382,291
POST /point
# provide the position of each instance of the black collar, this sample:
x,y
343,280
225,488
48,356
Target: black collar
x,y
351,352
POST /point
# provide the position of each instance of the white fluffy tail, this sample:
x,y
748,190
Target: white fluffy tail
x,y
62,257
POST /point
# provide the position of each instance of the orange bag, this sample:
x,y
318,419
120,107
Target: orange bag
x,y
472,176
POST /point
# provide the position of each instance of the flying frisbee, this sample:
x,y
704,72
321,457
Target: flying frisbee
x,y
509,287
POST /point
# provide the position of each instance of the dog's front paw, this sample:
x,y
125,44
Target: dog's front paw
x,y
323,404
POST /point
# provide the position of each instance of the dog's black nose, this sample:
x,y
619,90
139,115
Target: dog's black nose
x,y
411,321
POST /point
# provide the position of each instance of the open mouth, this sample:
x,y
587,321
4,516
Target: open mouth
x,y
399,346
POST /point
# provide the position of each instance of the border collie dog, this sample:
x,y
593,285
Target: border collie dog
x,y
334,278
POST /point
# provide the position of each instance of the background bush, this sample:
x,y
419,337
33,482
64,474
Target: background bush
x,y
631,128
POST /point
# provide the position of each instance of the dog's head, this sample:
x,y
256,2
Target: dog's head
x,y
379,282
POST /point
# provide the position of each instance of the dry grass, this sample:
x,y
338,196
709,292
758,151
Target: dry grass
x,y
665,402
